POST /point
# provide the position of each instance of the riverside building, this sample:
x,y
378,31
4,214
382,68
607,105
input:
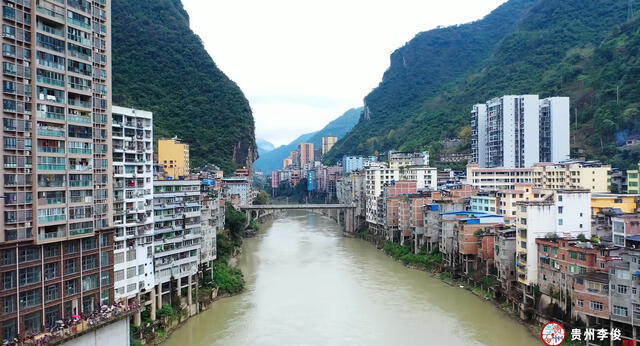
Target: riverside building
x,y
56,242
133,203
517,131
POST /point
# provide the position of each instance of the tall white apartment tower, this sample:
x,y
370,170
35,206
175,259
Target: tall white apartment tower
x,y
554,129
512,131
479,134
133,202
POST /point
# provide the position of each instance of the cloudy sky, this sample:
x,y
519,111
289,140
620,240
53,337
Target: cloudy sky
x,y
303,63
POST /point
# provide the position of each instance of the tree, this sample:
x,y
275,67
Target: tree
x,y
262,199
234,220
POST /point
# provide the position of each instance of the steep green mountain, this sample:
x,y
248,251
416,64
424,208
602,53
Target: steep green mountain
x,y
160,65
544,47
338,127
264,146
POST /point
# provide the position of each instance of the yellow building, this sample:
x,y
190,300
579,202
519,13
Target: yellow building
x,y
173,155
626,203
327,143
592,176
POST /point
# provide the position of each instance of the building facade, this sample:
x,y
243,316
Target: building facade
x,y
173,156
133,202
327,143
56,219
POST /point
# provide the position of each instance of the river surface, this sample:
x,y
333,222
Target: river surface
x,y
309,285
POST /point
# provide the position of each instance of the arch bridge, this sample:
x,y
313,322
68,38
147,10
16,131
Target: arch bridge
x,y
344,214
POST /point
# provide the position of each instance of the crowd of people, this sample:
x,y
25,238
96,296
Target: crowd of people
x,y
76,323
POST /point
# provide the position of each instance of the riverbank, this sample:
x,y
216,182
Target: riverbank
x,y
432,264
226,280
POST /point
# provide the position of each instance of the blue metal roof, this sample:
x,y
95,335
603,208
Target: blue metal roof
x,y
634,237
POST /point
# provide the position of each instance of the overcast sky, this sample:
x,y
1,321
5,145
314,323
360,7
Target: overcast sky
x,y
303,63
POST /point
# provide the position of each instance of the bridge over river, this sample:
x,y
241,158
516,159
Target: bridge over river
x,y
344,214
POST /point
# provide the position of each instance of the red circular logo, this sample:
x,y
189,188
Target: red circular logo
x,y
553,334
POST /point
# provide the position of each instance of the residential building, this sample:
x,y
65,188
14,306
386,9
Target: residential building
x,y
433,221
554,120
426,178
618,180
177,236
286,163
498,178
633,181
505,258
306,153
566,213
57,112
398,159
591,298
133,203
355,163
591,175
516,131
327,143
237,190
623,227
479,134
376,177
627,204
173,155
211,223
624,284
560,260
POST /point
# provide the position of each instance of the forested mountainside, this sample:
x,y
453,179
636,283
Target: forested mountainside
x,y
339,127
160,65
578,48
264,146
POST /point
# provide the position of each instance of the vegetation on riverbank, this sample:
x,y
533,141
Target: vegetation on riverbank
x,y
421,260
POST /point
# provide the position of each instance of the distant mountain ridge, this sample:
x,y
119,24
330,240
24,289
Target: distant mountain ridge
x,y
545,47
339,127
264,146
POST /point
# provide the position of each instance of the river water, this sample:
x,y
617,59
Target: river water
x,y
308,285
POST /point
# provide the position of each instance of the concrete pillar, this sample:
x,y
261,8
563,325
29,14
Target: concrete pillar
x,y
152,296
159,295
137,318
189,300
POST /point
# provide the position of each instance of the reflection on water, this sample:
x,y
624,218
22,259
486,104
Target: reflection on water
x,y
308,285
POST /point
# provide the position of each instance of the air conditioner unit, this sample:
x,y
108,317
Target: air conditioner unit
x,y
27,224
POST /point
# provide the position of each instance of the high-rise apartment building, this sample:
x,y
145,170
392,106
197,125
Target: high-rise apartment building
x,y
56,219
327,143
306,153
518,131
173,156
133,202
177,235
554,129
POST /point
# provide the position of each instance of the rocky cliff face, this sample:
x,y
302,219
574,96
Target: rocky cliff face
x,y
160,65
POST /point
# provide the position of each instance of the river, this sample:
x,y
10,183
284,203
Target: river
x,y
308,285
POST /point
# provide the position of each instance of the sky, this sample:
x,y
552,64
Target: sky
x,y
303,63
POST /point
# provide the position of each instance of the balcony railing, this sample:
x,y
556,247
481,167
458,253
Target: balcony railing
x,y
51,218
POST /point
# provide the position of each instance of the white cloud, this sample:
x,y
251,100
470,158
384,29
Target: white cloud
x,y
301,63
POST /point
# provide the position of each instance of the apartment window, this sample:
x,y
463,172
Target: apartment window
x,y
8,257
89,262
620,311
70,266
104,240
51,251
104,258
71,287
28,255
30,298
89,282
50,270
622,289
29,276
9,304
560,222
9,280
580,303
52,293
89,244
118,258
560,210
131,272
105,279
573,254
118,275
597,306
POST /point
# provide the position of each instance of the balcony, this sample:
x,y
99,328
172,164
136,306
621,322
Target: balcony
x,y
80,119
50,115
51,132
51,236
51,218
81,231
